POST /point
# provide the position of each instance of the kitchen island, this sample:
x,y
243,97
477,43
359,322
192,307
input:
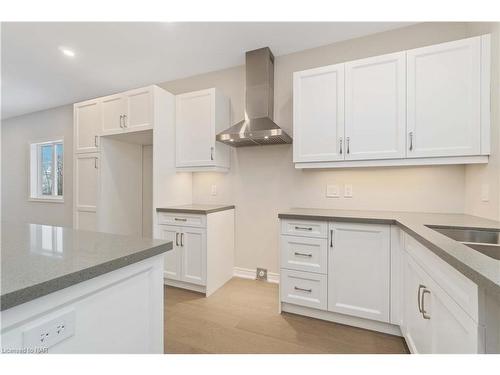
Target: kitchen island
x,y
72,291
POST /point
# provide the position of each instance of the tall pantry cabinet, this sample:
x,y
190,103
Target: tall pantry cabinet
x,y
106,130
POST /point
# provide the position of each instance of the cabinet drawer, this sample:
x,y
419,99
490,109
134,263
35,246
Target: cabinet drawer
x,y
171,218
304,288
306,228
304,254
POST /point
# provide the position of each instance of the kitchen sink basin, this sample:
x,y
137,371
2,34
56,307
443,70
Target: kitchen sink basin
x,y
470,235
486,242
493,251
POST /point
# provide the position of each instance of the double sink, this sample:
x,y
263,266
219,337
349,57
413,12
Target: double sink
x,y
486,242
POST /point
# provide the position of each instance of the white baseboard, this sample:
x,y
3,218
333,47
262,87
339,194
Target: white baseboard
x,y
249,273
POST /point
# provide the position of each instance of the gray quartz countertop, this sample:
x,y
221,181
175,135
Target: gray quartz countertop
x,y
40,259
202,209
481,269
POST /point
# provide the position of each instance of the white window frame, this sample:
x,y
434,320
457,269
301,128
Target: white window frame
x,y
35,192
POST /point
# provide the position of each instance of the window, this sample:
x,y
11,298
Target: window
x,y
46,174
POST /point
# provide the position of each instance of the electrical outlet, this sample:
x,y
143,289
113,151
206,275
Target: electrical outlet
x,y
347,191
214,190
485,192
50,332
332,191
261,274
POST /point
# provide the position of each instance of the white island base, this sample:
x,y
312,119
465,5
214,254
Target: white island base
x,y
117,312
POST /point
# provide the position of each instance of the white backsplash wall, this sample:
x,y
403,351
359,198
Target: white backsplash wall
x,y
263,180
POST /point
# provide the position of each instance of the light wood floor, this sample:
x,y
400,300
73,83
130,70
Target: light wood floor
x,y
242,317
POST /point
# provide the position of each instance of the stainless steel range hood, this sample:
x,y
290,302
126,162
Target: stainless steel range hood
x,y
258,128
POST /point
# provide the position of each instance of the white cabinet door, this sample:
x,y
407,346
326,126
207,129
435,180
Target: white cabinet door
x,y
139,115
417,330
193,243
443,114
86,190
375,107
87,126
359,270
434,322
453,330
113,110
173,258
195,129
318,114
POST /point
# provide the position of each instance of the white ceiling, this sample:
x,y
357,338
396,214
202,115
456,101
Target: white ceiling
x,y
111,57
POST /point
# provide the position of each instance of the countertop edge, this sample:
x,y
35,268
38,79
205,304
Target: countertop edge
x,y
30,293
195,211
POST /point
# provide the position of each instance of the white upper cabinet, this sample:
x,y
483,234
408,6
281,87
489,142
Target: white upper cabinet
x,y
139,115
318,113
114,108
126,112
87,126
424,106
375,100
199,116
444,99
129,111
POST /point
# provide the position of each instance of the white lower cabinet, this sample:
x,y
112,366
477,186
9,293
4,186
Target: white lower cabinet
x,y
345,276
187,260
433,321
202,257
359,270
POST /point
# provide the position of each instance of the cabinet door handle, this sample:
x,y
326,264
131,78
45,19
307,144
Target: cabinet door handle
x,y
420,287
303,228
348,141
180,219
309,255
124,121
410,134
302,289
182,239
121,121
331,237
211,153
95,163
424,313
176,239
340,144
95,141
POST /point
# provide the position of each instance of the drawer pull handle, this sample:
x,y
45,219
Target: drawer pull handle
x,y
303,290
303,254
303,228
180,219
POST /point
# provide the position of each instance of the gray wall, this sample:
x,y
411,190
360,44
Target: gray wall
x,y
17,134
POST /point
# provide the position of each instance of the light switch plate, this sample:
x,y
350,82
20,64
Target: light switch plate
x,y
332,191
214,190
347,191
47,333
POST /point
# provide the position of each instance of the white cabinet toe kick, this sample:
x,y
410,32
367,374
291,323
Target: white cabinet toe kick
x,y
376,277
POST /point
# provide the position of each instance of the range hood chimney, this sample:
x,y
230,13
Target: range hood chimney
x,y
258,127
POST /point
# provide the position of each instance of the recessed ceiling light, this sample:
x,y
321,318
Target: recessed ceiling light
x,y
67,52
